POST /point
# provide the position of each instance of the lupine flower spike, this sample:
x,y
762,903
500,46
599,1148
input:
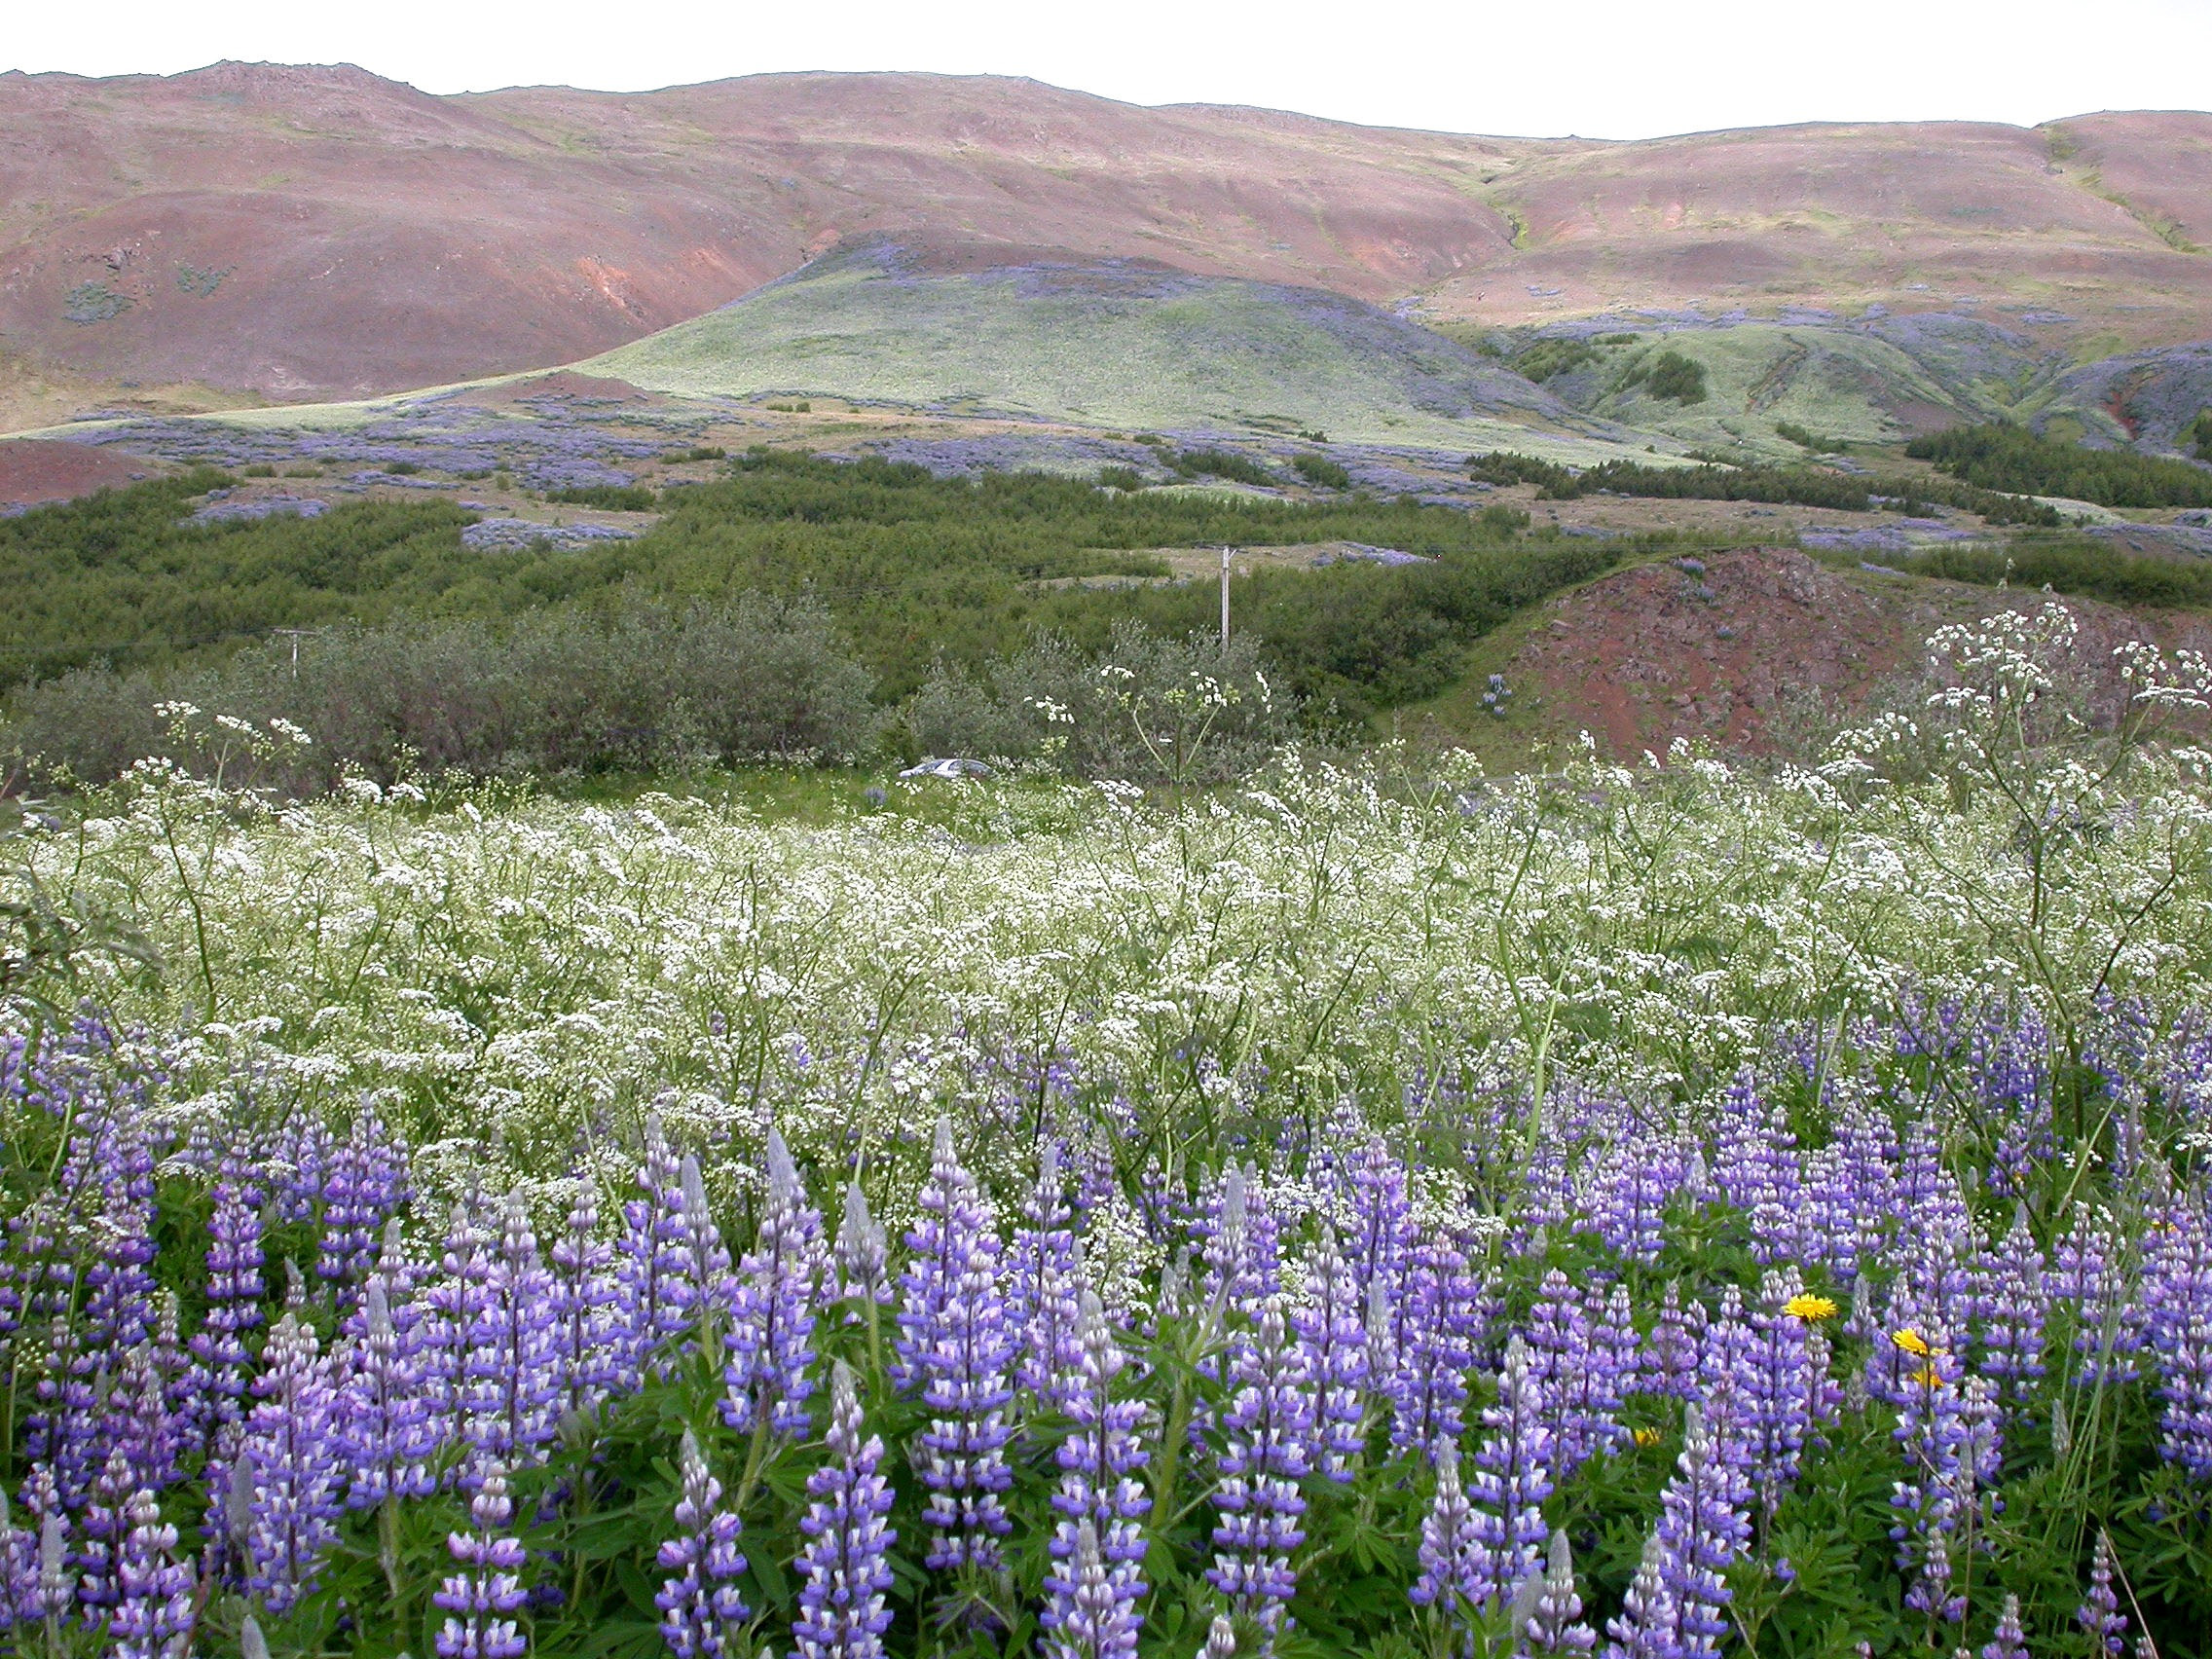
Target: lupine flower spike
x,y
844,1567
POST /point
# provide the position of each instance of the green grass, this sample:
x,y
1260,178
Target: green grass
x,y
1111,348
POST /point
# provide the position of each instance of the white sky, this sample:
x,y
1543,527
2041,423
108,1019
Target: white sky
x,y
1600,68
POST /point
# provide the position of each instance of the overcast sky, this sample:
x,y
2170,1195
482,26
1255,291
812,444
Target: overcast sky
x,y
1600,68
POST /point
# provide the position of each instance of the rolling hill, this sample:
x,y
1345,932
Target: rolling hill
x,y
254,232
1111,345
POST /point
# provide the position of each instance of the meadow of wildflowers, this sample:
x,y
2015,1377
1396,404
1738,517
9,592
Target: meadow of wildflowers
x,y
1649,1211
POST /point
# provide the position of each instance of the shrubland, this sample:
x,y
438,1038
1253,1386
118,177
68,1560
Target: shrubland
x,y
2007,457
637,652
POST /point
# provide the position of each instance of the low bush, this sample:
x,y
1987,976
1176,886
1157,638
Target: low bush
x,y
1149,708
1222,463
551,691
1798,486
1999,456
1669,375
614,497
2096,572
1320,470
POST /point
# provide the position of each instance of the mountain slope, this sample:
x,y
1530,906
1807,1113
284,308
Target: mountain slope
x,y
1099,345
319,232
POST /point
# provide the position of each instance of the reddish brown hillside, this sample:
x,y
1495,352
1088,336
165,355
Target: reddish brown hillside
x,y
315,232
1756,650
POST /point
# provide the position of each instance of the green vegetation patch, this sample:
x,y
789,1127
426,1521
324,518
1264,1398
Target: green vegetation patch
x,y
2090,571
1670,375
1798,486
1999,456
912,571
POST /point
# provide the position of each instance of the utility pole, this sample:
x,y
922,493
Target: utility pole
x,y
1225,553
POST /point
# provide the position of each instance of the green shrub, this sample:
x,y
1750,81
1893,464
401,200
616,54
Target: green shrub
x,y
1800,485
1548,358
1805,438
2096,572
2199,435
1120,478
1669,375
1999,456
615,497
1222,463
1320,470
550,691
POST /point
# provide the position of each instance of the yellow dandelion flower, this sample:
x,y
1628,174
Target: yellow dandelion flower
x,y
1927,1376
1809,1307
1911,1342
1647,1437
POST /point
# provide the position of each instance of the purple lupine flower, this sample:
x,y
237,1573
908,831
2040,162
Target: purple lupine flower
x,y
1575,1374
1636,1182
1099,1464
155,1608
2177,1292
288,1460
653,1301
1439,1323
2011,1305
389,1433
1240,1248
585,1361
18,1570
296,1159
771,1334
1042,1283
140,1424
1451,1579
862,1253
483,1596
1650,1621
2090,1277
1267,1433
1759,1169
1381,1233
1703,1522
1512,1479
1335,1341
1784,1372
702,1617
2099,1612
106,1525
1090,1618
1554,1624
845,1564
954,1349
2008,1641
704,1281
511,1383
456,1302
57,1587
1949,1436
364,1185
1667,1366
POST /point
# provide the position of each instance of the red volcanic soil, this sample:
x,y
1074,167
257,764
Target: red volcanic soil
x,y
321,232
48,469
1641,657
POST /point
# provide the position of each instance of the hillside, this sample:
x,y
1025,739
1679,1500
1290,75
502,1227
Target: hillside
x,y
1119,344
249,232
